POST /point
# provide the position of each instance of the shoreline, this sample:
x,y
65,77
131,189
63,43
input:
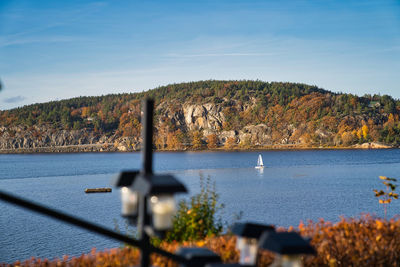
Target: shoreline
x,y
99,148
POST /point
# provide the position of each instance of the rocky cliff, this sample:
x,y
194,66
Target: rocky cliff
x,y
206,118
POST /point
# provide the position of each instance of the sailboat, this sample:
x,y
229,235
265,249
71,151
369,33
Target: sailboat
x,y
260,163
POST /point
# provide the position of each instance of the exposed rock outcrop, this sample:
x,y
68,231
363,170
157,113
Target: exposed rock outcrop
x,y
208,118
372,145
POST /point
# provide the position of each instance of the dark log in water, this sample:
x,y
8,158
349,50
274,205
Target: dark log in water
x,y
98,190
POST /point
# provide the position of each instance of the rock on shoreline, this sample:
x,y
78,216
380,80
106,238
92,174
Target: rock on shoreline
x,y
372,145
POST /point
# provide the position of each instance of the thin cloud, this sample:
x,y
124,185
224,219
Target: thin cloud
x,y
61,18
30,40
221,55
15,99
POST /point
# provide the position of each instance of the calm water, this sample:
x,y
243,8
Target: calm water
x,y
295,186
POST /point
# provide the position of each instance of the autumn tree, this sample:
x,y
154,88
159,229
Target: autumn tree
x,y
85,112
212,141
172,141
182,138
230,142
161,136
347,138
196,140
365,131
129,125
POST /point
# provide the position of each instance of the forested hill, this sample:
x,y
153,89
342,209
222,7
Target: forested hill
x,y
196,115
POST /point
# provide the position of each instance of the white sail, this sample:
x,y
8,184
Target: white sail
x,y
260,163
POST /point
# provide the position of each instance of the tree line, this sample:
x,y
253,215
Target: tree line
x,y
352,119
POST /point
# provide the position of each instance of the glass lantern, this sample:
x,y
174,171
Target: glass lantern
x,y
248,248
289,247
289,260
163,210
129,201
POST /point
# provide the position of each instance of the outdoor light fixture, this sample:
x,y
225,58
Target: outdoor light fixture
x,y
247,241
198,257
223,265
163,208
129,198
289,247
159,191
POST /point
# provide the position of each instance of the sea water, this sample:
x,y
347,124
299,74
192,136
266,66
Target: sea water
x,y
294,186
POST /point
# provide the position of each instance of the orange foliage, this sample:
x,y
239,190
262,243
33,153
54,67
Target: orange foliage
x,y
212,141
346,125
348,138
161,136
173,142
329,123
85,112
230,142
390,121
366,241
129,125
196,140
354,242
365,131
75,112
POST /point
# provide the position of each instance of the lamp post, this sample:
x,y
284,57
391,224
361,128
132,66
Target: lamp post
x,y
148,199
129,198
157,194
247,241
288,247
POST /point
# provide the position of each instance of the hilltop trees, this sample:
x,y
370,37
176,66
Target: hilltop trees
x,y
293,113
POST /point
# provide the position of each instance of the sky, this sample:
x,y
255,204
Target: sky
x,y
53,50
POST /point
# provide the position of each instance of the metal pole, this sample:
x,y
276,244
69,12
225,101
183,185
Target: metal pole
x,y
147,135
147,170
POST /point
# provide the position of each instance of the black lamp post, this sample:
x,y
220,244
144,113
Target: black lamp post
x,y
288,247
147,198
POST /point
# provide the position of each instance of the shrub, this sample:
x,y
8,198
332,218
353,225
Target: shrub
x,y
385,197
366,241
198,218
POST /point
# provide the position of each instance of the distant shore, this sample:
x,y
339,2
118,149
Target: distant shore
x,y
93,148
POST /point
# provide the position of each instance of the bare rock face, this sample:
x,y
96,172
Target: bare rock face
x,y
256,134
37,137
126,144
224,135
207,116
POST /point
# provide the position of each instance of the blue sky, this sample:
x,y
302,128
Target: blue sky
x,y
61,49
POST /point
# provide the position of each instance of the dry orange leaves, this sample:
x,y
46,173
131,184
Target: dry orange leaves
x,y
366,241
